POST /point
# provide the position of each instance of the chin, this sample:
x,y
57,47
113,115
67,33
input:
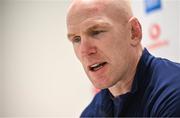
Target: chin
x,y
102,86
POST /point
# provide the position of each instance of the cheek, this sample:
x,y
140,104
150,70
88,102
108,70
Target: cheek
x,y
119,55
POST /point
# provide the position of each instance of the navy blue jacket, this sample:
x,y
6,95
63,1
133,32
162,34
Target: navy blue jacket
x,y
155,92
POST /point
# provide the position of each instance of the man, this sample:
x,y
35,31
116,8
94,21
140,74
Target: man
x,y
107,40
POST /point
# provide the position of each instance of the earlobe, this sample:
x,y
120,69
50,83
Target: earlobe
x,y
136,31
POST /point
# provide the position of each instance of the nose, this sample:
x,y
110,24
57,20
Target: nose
x,y
87,48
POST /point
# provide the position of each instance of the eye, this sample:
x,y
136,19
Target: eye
x,y
97,32
76,39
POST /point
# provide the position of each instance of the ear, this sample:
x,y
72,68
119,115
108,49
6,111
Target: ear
x,y
136,31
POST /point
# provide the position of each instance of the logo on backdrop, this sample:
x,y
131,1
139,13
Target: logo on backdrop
x,y
154,36
152,5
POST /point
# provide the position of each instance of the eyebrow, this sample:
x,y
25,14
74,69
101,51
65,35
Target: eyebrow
x,y
98,25
93,27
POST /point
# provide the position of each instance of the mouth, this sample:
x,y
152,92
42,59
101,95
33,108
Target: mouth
x,y
97,66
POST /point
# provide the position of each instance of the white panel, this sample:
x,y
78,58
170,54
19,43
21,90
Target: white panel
x,y
41,76
1,57
179,28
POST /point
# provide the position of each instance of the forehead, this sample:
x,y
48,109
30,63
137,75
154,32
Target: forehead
x,y
88,25
85,15
80,11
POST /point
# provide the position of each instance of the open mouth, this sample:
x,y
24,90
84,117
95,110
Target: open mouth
x,y
97,66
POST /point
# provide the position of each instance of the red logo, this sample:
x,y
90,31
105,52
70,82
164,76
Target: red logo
x,y
154,35
154,32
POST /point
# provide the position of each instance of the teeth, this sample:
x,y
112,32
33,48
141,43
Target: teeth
x,y
95,65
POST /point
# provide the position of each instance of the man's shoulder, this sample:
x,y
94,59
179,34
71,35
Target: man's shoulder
x,y
164,86
162,67
158,64
166,64
165,73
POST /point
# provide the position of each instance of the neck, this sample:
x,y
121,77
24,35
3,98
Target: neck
x,y
121,87
124,85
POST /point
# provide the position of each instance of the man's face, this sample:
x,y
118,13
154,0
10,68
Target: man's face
x,y
101,44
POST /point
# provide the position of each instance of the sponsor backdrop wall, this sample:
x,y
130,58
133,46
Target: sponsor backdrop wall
x,y
160,21
40,75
